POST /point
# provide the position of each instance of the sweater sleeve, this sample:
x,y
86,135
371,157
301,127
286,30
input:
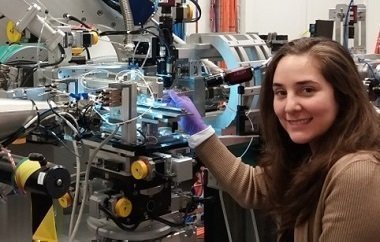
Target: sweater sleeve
x,y
352,203
243,182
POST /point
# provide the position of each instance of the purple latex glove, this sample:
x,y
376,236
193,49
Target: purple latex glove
x,y
192,123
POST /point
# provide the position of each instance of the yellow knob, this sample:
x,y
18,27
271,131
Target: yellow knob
x,y
139,169
25,169
77,51
65,201
123,207
95,38
13,34
189,12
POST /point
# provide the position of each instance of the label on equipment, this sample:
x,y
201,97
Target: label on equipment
x,y
41,178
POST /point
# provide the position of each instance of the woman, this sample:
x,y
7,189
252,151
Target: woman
x,y
320,172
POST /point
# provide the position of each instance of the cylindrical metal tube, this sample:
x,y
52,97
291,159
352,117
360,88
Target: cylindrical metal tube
x,y
16,113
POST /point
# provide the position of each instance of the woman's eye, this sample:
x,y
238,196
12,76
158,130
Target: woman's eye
x,y
308,90
280,93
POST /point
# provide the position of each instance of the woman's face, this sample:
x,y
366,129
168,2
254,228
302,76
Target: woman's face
x,y
304,101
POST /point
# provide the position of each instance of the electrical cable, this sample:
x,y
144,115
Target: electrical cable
x,y
62,57
73,18
160,37
254,224
119,32
369,67
84,75
86,179
224,211
163,175
88,53
140,31
82,173
74,129
60,141
23,130
62,50
142,135
43,65
71,126
176,39
76,190
112,42
167,222
250,142
38,113
345,26
134,51
155,140
59,21
73,119
147,55
86,124
41,117
199,11
116,220
9,140
122,74
113,4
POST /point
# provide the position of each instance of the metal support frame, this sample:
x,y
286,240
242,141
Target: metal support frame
x,y
338,15
127,110
235,50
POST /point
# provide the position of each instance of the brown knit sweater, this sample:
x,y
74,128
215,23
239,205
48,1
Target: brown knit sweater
x,y
348,209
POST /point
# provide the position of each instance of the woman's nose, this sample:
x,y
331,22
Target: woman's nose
x,y
292,104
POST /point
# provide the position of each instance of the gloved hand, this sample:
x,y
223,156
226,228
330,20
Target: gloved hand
x,y
192,123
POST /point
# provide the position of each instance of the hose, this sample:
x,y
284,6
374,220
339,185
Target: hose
x,y
128,21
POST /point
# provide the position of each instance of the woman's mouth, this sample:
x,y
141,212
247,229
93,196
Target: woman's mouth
x,y
299,121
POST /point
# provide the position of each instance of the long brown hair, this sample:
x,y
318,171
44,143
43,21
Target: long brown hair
x,y
294,185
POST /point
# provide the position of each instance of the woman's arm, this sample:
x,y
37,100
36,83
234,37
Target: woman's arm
x,y
243,182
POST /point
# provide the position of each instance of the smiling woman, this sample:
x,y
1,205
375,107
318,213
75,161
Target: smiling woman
x,y
332,132
300,97
319,174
